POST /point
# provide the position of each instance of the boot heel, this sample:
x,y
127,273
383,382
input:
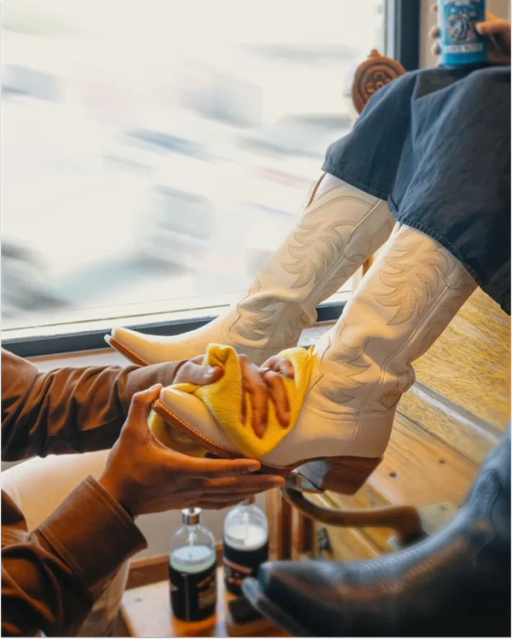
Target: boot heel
x,y
344,475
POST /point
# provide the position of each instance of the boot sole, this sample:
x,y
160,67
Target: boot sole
x,y
271,610
125,351
344,475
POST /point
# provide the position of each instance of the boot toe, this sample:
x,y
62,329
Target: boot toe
x,y
305,592
135,346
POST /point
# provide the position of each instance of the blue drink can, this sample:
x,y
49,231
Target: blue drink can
x,y
461,44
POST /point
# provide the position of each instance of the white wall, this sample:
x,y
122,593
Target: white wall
x,y
428,19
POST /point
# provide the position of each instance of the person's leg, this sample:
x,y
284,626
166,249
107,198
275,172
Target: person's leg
x,y
38,486
361,367
339,229
455,583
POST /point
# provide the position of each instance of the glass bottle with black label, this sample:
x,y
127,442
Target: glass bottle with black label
x,y
192,569
245,544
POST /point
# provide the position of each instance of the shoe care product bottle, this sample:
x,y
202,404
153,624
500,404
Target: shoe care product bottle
x,y
192,569
461,44
245,544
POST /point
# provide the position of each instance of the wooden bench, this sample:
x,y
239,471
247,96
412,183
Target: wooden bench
x,y
445,424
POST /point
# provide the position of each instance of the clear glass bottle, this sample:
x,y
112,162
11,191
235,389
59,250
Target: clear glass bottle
x,y
245,544
192,569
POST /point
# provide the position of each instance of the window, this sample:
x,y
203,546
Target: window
x,y
155,153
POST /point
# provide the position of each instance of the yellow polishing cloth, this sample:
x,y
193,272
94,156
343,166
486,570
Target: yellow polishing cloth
x,y
224,400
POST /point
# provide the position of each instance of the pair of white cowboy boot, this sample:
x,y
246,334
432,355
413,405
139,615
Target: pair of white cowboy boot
x,y
362,366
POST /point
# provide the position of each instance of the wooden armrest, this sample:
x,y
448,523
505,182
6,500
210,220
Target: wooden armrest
x,y
405,520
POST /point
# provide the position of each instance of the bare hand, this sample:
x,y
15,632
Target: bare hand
x,y
260,386
193,372
497,30
145,476
272,371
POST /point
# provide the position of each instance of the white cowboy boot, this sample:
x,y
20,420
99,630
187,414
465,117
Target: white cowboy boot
x,y
361,367
340,228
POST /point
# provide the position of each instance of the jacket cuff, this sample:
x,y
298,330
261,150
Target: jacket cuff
x,y
92,533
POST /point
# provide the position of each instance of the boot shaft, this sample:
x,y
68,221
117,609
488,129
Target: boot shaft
x,y
339,229
402,305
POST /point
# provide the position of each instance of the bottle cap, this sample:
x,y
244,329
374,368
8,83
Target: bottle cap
x,y
249,501
190,516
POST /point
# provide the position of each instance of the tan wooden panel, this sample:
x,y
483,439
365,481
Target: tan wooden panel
x,y
347,544
462,431
470,363
418,469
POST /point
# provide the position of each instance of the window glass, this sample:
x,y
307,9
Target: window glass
x,y
155,153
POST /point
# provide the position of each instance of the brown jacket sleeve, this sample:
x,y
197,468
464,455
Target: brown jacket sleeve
x,y
68,409
52,575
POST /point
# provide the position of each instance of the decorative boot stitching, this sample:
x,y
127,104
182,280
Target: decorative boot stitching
x,y
327,244
414,274
349,362
313,256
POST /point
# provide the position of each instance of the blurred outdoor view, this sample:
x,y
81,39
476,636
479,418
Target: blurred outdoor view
x,y
156,152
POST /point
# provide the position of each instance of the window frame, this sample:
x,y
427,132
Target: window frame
x,y
402,32
402,42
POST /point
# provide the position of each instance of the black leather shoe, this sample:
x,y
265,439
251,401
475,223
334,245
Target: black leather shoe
x,y
455,583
